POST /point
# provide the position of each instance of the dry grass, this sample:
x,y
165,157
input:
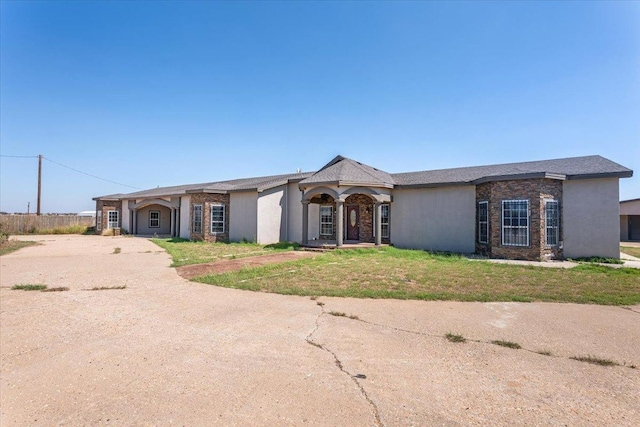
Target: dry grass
x,y
107,288
57,289
412,274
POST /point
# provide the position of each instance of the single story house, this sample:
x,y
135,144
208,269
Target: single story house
x,y
630,220
540,210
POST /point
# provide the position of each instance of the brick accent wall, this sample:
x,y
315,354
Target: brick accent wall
x,y
206,200
365,205
104,206
536,191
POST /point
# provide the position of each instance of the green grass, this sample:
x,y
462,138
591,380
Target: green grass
x,y
185,252
455,337
599,260
629,250
412,274
9,246
29,287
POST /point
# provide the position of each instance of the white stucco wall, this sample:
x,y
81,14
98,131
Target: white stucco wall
x,y
591,218
185,210
272,212
439,219
243,219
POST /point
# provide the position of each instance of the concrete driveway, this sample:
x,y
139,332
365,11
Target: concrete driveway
x,y
167,351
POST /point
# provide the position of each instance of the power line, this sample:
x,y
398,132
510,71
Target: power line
x,y
91,175
21,157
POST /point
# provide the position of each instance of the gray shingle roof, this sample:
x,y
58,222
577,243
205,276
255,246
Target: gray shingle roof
x,y
569,168
243,184
344,170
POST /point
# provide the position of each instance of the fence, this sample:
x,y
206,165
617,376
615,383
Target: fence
x,y
26,224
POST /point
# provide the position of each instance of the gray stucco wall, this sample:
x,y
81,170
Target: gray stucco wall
x,y
294,213
143,220
126,214
624,227
439,219
591,218
185,219
243,220
272,215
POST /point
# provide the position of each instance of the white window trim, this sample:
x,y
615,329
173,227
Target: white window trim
x,y
99,220
527,227
109,222
388,223
193,219
547,226
486,203
330,207
151,219
224,214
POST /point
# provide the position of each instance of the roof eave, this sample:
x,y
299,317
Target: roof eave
x,y
624,174
511,177
206,191
346,184
432,185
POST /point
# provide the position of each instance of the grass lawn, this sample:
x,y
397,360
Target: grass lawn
x,y
9,246
185,252
633,251
413,274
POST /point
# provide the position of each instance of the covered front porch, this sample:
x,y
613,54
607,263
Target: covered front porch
x,y
154,217
352,216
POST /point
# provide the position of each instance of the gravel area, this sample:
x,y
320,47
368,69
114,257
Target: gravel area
x,y
167,351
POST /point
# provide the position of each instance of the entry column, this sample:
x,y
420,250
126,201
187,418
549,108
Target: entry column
x,y
305,222
135,222
172,220
340,224
378,222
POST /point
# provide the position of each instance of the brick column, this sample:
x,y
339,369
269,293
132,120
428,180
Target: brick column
x,y
340,224
305,222
378,222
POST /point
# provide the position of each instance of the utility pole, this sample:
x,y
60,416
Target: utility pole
x,y
39,181
28,206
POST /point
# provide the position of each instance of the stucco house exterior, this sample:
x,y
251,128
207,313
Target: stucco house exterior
x,y
540,210
630,220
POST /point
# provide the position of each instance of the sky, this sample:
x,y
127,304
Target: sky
x,y
162,93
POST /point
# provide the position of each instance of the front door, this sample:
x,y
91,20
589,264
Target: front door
x,y
353,222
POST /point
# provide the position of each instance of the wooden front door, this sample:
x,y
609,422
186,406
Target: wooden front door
x,y
353,222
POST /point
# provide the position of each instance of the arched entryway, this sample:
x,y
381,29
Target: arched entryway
x,y
155,217
347,214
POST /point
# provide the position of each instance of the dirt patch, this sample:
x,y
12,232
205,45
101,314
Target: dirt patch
x,y
218,267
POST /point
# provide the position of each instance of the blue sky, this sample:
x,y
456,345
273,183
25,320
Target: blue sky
x,y
164,93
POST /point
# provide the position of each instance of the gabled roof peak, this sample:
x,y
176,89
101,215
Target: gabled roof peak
x,y
343,170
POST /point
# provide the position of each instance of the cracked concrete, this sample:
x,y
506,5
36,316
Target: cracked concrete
x,y
166,351
340,366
